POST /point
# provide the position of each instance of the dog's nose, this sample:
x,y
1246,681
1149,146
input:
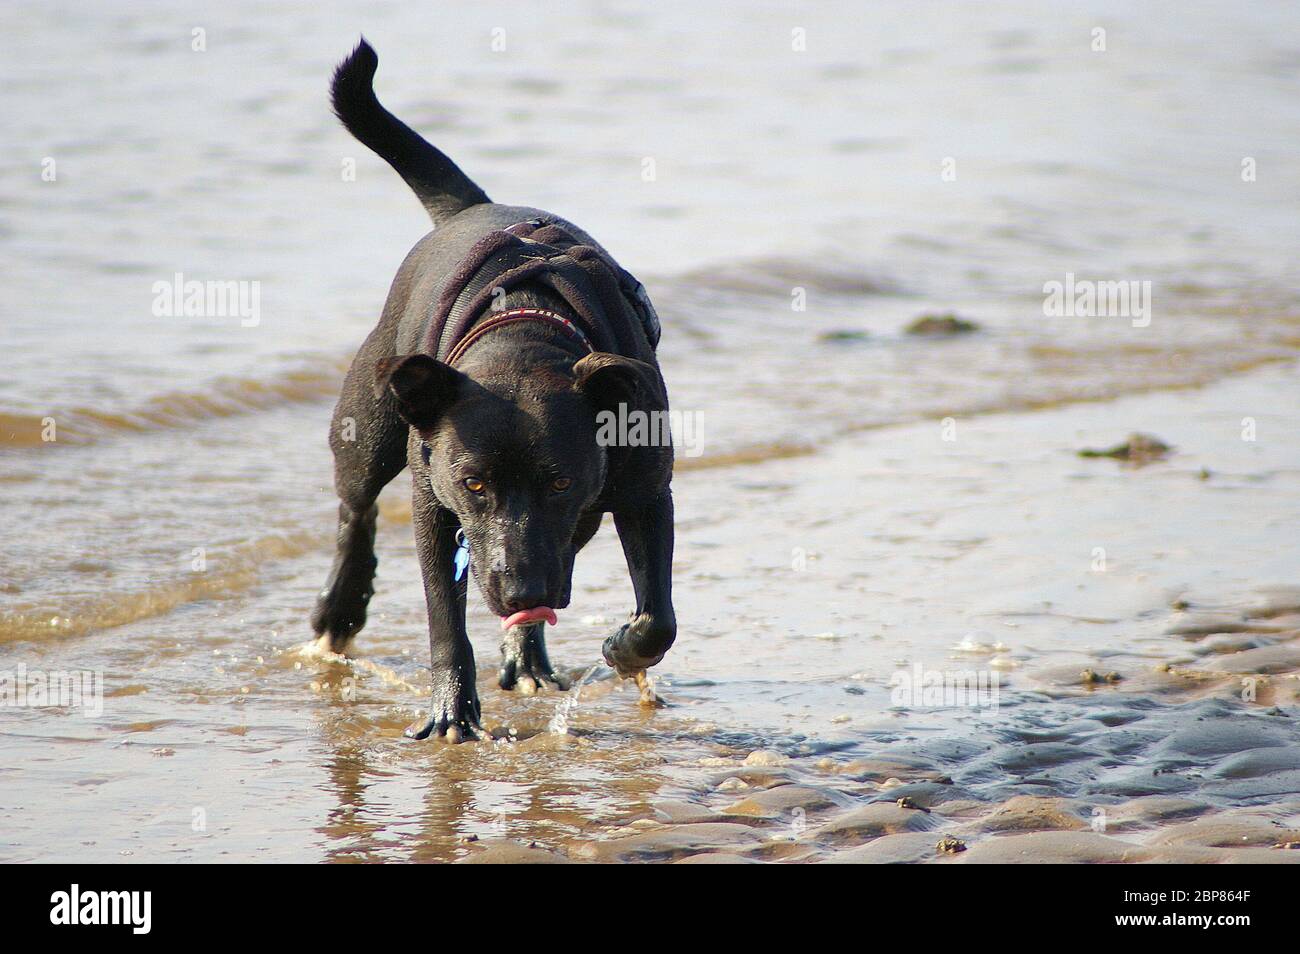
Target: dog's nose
x,y
521,596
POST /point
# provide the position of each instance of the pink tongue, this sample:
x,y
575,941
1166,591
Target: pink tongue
x,y
534,615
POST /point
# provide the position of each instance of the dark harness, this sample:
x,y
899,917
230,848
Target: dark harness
x,y
610,309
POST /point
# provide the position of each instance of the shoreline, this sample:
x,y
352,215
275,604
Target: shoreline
x,y
780,712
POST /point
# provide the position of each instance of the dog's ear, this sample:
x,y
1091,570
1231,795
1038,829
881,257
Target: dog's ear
x,y
609,380
422,386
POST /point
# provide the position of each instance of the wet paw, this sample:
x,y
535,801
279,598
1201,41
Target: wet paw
x,y
454,713
524,663
340,610
637,645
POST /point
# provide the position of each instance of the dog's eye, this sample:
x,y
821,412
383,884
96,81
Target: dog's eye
x,y
561,484
474,485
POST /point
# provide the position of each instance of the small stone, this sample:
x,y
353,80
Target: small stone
x,y
949,845
765,757
941,326
843,336
1090,677
1139,449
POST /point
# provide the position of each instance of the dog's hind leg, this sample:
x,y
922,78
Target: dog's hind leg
x,y
647,537
369,443
524,663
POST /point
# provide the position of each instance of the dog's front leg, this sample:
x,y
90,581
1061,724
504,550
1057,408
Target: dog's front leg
x,y
647,537
454,710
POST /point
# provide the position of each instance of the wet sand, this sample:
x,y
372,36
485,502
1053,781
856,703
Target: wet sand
x,y
1123,728
870,506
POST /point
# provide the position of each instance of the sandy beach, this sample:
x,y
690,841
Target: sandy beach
x,y
1141,713
918,623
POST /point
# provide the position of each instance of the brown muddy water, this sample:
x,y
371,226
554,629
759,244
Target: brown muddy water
x,y
869,514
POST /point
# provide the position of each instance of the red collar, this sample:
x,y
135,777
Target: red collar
x,y
514,315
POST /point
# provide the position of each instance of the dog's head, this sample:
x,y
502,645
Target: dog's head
x,y
514,454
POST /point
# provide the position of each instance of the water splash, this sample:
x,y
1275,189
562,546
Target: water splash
x,y
559,724
645,684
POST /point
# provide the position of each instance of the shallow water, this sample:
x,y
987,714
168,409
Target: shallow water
x,y
830,534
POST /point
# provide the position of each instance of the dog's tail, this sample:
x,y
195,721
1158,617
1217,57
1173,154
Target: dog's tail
x,y
435,179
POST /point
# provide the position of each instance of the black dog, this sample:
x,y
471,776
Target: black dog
x,y
506,333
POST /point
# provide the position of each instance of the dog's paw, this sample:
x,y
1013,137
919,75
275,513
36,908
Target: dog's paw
x,y
454,712
340,610
524,664
638,644
334,636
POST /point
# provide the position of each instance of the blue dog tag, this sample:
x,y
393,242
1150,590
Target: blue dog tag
x,y
460,561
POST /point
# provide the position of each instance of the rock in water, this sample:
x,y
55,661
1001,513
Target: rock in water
x,y
1139,449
